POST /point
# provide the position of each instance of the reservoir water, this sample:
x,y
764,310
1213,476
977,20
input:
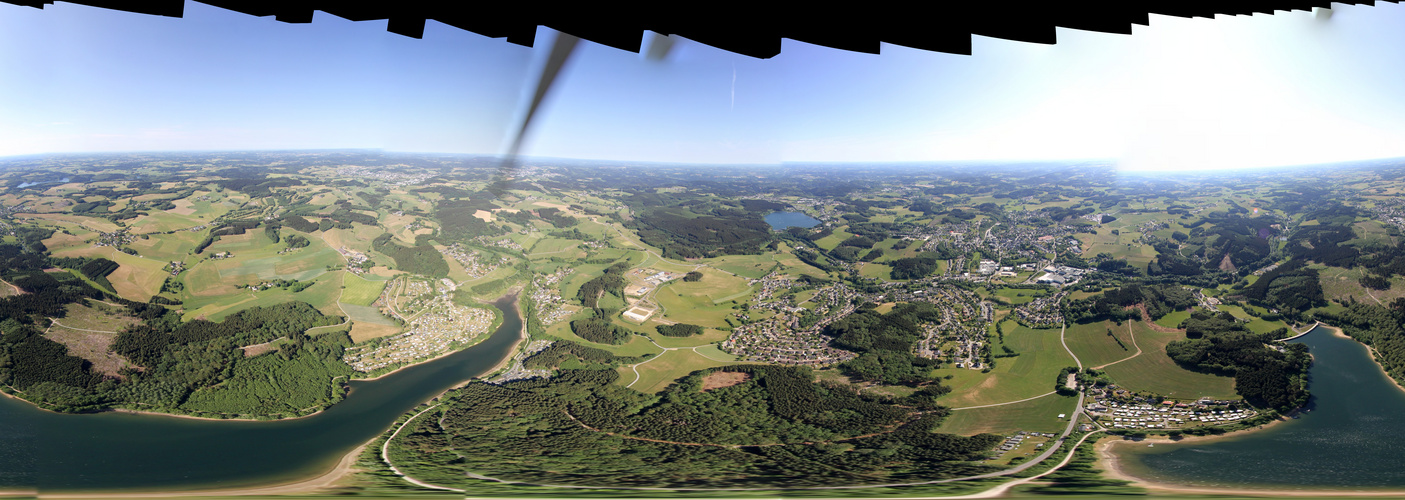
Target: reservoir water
x,y
1353,437
779,221
120,451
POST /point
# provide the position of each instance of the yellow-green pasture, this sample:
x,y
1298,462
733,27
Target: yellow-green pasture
x,y
1037,415
1031,373
1156,372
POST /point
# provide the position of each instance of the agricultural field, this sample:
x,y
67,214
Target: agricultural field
x,y
1093,345
705,302
1156,372
746,266
360,291
1029,374
1037,415
167,247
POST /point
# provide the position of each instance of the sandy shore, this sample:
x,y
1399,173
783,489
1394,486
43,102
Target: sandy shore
x,y
329,479
1109,463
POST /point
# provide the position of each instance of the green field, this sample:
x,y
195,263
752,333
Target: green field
x,y
1019,296
829,242
876,271
366,314
322,295
1032,373
1038,415
1154,371
1256,325
1094,347
747,266
157,222
360,291
659,372
1173,320
554,247
167,247
636,345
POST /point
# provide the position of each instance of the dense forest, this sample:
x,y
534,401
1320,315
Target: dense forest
x,y
689,229
577,429
1264,375
421,259
885,343
181,367
1114,304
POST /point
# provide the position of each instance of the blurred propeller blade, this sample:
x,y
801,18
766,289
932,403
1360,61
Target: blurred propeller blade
x,y
659,46
561,50
1324,14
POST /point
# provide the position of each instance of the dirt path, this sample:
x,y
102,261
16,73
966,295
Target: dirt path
x,y
1006,403
56,323
1134,344
385,454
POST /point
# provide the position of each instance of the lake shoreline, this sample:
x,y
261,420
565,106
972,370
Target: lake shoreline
x,y
337,476
1375,357
1111,467
511,291
1109,461
343,469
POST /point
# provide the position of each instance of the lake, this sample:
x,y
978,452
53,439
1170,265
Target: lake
x,y
128,452
779,221
27,184
1352,437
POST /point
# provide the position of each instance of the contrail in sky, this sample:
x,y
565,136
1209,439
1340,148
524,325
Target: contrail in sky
x,y
734,86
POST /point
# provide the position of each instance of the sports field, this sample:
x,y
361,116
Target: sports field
x,y
1154,371
1031,373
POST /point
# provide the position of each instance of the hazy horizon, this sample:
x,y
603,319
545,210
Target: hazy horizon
x,y
1177,95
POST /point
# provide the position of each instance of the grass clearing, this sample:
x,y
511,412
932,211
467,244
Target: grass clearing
x,y
1255,324
1156,372
1173,320
657,373
96,316
876,271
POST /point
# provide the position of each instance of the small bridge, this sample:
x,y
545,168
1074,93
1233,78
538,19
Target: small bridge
x,y
1299,334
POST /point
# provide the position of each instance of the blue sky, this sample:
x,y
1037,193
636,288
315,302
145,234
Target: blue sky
x,y
1180,94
